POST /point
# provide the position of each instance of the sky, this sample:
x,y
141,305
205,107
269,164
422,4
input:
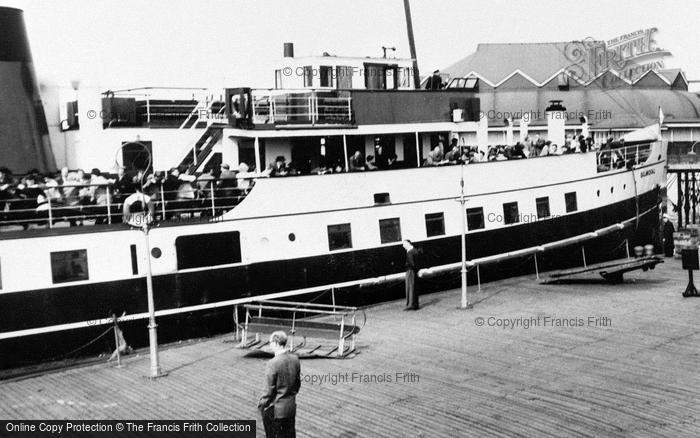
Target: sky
x,y
216,43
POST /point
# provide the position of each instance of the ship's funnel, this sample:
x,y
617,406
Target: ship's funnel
x,y
24,134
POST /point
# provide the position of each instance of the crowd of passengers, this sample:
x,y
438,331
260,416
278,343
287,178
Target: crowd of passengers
x,y
36,191
529,148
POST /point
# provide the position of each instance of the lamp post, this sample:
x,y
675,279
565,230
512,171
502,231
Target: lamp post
x,y
692,148
143,221
155,370
462,202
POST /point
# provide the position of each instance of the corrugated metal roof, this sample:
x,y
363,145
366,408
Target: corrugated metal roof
x,y
539,62
495,62
605,108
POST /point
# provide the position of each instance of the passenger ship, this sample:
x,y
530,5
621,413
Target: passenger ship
x,y
302,236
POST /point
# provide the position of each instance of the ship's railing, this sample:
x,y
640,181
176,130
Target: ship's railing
x,y
621,157
57,206
162,107
305,107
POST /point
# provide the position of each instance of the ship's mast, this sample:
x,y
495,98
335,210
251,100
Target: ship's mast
x,y
411,43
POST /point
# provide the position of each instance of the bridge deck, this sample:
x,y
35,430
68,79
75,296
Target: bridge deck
x,y
632,372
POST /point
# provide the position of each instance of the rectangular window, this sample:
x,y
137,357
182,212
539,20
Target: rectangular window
x,y
339,237
201,250
134,261
326,74
278,79
69,266
542,207
390,230
510,213
72,117
472,84
570,200
404,77
308,76
475,218
344,75
435,224
382,198
375,77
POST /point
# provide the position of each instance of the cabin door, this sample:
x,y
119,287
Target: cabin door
x,y
410,159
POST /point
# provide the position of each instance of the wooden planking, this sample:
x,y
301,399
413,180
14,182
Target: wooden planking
x,y
635,377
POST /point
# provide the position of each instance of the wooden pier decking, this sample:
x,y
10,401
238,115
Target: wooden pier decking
x,y
633,372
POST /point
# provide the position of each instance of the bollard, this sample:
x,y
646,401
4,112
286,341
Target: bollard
x,y
648,250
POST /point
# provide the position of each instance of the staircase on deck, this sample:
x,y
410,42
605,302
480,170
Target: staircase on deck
x,y
207,114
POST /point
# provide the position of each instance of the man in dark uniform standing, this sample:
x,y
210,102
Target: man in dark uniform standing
x,y
282,381
668,231
380,156
434,82
411,294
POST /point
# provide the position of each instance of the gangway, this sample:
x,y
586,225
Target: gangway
x,y
611,271
305,321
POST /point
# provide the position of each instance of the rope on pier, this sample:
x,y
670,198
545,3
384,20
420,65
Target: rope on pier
x,y
82,347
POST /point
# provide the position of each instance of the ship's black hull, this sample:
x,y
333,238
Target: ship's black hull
x,y
40,308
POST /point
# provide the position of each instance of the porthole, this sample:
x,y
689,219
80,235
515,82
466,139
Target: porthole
x,y
624,187
156,253
598,193
292,237
611,189
659,157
